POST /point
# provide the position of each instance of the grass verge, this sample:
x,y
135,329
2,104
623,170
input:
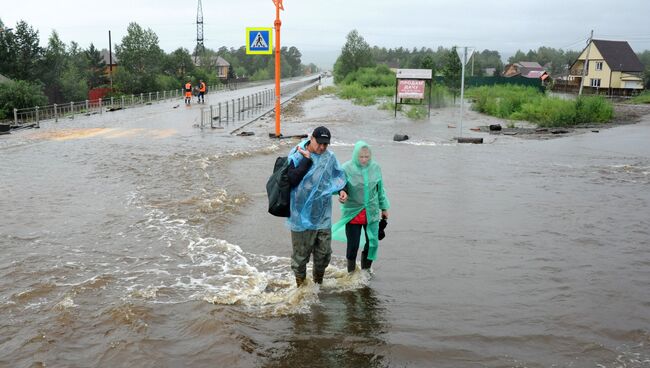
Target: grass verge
x,y
527,103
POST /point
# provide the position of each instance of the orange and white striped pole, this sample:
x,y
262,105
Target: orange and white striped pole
x,y
278,24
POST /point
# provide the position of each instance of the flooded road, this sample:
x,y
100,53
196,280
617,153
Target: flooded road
x,y
136,239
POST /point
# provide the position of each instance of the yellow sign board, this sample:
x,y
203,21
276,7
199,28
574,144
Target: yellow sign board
x,y
259,40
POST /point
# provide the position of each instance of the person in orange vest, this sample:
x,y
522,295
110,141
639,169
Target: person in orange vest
x,y
202,89
188,92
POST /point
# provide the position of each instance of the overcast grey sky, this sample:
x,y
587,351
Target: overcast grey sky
x,y
318,27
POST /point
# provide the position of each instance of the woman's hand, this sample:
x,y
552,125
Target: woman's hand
x,y
343,196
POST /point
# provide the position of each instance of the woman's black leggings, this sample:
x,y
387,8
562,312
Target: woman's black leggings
x,y
353,233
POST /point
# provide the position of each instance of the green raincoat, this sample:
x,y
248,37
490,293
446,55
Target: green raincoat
x,y
365,189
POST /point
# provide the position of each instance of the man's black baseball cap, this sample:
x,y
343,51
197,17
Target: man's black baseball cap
x,y
322,135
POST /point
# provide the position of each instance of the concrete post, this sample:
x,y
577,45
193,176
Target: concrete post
x,y
56,116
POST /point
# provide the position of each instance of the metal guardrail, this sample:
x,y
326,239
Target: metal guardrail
x,y
246,107
33,116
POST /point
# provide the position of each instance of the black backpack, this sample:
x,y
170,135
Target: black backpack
x,y
278,189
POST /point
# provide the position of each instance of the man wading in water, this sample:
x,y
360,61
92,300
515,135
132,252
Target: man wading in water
x,y
315,175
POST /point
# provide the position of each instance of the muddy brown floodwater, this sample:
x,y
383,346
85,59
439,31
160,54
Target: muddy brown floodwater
x,y
133,239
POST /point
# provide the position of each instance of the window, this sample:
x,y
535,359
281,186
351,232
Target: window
x,y
599,65
595,82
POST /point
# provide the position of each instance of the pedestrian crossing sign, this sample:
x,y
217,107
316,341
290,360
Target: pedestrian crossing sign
x,y
259,41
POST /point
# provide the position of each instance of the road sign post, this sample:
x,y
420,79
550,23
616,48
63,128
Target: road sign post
x,y
277,24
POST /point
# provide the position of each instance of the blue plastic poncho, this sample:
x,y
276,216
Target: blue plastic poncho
x,y
365,188
311,200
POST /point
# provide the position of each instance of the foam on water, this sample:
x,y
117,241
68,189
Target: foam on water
x,y
219,272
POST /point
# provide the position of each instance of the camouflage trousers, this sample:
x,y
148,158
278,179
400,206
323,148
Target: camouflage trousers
x,y
305,243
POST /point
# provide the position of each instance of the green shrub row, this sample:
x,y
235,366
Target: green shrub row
x,y
527,103
643,98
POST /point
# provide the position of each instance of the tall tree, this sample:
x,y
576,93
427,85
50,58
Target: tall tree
x,y
645,60
54,63
517,57
140,59
451,71
355,54
95,67
7,51
179,63
293,55
28,53
427,63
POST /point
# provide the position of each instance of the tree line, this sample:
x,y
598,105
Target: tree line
x,y
357,53
62,72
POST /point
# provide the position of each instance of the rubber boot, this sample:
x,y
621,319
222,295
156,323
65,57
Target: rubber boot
x,y
365,264
352,265
299,281
318,277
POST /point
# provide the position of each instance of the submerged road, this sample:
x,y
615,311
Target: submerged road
x,y
136,239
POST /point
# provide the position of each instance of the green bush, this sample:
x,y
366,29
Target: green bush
x,y
379,76
643,98
167,82
593,109
19,94
417,113
261,74
527,103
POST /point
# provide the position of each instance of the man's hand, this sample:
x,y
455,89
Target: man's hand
x,y
384,214
305,153
343,196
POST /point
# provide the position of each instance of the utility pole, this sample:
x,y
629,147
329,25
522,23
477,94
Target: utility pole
x,y
110,59
199,33
586,65
463,61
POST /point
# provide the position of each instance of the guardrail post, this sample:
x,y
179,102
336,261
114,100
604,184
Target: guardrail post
x,y
149,97
72,109
112,101
56,116
141,98
38,125
122,102
219,113
15,116
227,112
202,117
164,95
101,110
132,100
157,96
211,116
238,108
86,105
